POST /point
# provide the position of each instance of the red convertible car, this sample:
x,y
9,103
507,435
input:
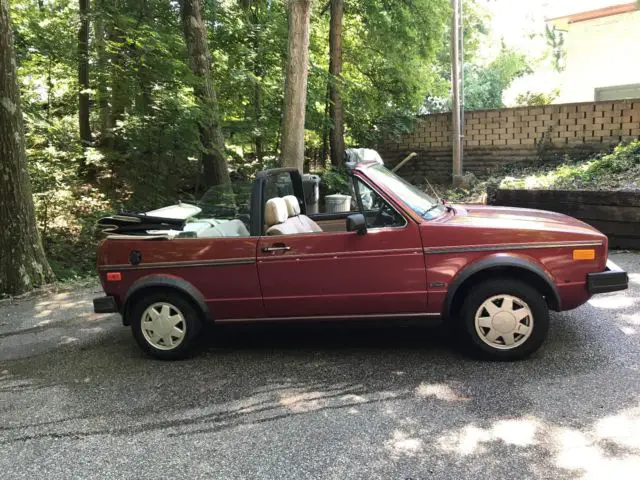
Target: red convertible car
x,y
491,273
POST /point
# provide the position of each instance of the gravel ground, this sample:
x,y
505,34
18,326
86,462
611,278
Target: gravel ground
x,y
79,400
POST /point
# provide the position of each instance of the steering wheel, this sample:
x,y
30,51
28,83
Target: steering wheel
x,y
384,216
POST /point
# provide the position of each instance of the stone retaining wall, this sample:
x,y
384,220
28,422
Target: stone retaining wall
x,y
617,214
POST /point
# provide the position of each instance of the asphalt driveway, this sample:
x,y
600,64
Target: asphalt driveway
x,y
79,400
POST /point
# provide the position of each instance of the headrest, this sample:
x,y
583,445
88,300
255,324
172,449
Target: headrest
x,y
293,205
275,212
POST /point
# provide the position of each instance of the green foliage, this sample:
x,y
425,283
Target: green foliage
x,y
475,20
144,116
484,85
389,49
618,170
65,207
537,98
335,181
248,45
555,41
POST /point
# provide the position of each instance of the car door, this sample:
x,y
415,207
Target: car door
x,y
340,273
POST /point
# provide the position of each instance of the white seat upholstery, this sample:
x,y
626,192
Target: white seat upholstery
x,y
276,218
233,228
304,223
212,228
275,212
293,205
204,228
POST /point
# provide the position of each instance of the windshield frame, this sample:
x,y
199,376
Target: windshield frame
x,y
392,184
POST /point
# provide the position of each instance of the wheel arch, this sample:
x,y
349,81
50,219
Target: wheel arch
x,y
153,283
504,266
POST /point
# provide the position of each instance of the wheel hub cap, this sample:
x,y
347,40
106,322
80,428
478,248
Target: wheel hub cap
x,y
504,322
163,326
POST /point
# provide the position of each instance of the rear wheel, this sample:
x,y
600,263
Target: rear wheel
x,y
504,319
165,325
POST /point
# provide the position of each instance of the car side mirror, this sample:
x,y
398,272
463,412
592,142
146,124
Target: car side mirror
x,y
357,223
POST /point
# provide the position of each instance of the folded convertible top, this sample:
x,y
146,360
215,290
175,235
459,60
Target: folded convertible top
x,y
138,224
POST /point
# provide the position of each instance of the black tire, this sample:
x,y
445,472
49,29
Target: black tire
x,y
192,321
539,324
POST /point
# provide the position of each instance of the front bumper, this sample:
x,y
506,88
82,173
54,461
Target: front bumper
x,y
105,305
612,279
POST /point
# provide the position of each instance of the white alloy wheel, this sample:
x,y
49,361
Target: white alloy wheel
x,y
163,326
504,322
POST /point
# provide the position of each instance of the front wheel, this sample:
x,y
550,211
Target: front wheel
x,y
165,325
504,319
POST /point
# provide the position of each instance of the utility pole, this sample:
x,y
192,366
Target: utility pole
x,y
455,84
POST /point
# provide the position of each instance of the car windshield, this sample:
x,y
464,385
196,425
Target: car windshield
x,y
421,203
226,201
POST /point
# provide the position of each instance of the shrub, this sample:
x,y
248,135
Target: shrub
x,y
335,181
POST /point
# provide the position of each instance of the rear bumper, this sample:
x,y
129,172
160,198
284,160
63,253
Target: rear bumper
x,y
612,279
105,305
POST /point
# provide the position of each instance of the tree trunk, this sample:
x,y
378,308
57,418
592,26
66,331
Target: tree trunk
x,y
295,93
252,14
22,261
335,72
325,126
83,74
120,96
258,72
257,108
102,92
216,170
144,98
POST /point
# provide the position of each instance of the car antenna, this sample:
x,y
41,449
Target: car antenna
x,y
434,191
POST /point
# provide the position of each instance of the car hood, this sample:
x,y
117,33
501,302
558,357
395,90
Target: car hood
x,y
516,218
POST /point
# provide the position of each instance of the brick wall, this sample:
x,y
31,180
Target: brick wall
x,y
497,137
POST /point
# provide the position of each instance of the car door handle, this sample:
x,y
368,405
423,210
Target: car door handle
x,y
279,248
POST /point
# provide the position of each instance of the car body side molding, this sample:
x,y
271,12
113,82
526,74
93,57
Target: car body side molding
x,y
496,262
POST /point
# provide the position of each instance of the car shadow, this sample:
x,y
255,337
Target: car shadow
x,y
389,334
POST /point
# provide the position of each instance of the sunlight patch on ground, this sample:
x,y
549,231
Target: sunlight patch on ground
x,y
353,398
402,444
92,330
628,330
298,400
623,429
440,391
580,452
62,300
633,319
469,440
612,301
634,278
610,448
303,402
629,324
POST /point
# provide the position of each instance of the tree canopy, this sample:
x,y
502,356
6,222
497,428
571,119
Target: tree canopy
x,y
128,69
